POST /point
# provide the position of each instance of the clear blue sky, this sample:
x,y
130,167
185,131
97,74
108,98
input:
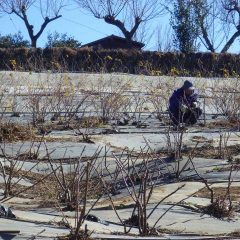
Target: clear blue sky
x,y
82,26
74,21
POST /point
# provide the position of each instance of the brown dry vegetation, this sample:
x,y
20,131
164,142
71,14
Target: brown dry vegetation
x,y
209,151
13,132
82,236
10,132
235,234
136,62
47,192
221,192
224,124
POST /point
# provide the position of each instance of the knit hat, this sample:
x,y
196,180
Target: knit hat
x,y
188,85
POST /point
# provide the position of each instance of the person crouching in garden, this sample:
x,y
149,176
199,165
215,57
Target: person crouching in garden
x,y
183,105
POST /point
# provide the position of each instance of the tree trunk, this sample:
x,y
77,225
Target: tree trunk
x,y
30,27
33,42
206,38
230,42
127,34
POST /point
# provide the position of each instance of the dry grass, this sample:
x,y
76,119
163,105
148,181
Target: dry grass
x,y
220,208
206,151
11,132
235,233
45,193
220,191
132,221
82,236
48,191
224,124
210,152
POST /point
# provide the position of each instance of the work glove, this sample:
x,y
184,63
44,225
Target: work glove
x,y
184,108
194,104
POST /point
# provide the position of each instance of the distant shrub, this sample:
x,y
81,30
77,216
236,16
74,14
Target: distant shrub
x,y
61,40
13,41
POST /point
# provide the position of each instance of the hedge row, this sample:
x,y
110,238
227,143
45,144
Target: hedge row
x,y
134,62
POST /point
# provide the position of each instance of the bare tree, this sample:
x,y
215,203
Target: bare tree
x,y
127,15
206,13
219,23
231,15
49,9
164,39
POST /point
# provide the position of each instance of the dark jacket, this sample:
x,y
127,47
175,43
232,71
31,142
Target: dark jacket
x,y
178,98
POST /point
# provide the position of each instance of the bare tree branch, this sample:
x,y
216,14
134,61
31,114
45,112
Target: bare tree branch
x,y
127,15
49,10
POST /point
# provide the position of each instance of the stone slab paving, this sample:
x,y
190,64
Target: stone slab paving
x,y
22,182
177,219
68,166
180,219
159,193
162,237
158,141
206,168
57,150
30,229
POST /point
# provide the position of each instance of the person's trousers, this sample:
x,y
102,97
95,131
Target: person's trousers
x,y
190,116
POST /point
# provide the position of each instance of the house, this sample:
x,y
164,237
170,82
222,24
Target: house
x,y
114,42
